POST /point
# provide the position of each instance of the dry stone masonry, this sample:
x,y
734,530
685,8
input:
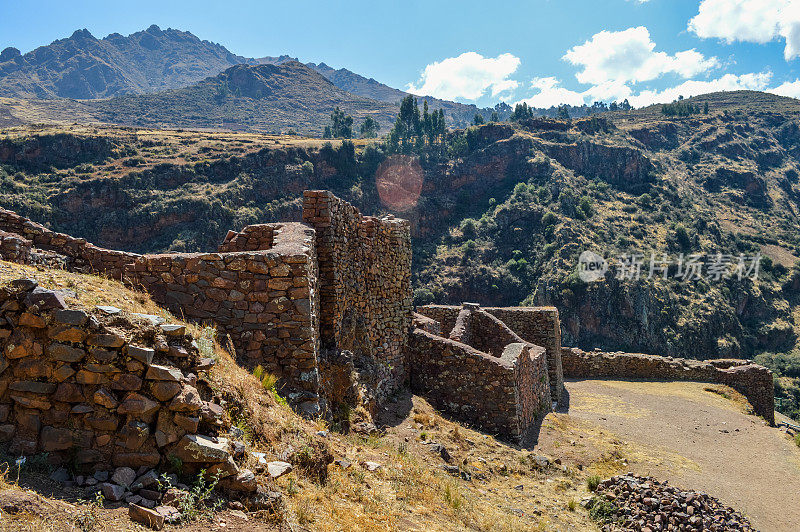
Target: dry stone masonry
x,y
537,325
751,380
281,292
364,288
326,306
103,389
482,373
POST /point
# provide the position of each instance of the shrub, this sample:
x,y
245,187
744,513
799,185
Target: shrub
x,y
602,510
593,482
423,296
682,236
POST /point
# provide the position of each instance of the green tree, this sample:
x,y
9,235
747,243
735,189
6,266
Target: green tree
x,y
369,128
495,117
563,112
478,119
413,132
341,125
521,112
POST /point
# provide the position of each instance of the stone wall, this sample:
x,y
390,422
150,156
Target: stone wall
x,y
537,325
751,380
265,299
251,238
101,388
270,290
82,256
365,286
502,395
14,248
482,373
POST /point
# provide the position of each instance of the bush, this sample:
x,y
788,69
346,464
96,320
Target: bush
x,y
682,236
423,296
468,227
602,510
593,482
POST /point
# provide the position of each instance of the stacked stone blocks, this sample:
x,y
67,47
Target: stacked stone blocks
x,y
101,388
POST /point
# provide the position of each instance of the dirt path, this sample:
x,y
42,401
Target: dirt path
x,y
730,455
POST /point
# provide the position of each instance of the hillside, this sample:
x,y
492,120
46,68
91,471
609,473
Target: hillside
x,y
152,61
271,98
457,113
82,66
501,219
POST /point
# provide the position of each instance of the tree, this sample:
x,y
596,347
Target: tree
x,y
521,112
563,112
495,117
625,106
369,128
705,108
342,125
478,120
413,132
327,134
614,106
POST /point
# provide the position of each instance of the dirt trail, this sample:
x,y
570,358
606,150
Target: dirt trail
x,y
730,455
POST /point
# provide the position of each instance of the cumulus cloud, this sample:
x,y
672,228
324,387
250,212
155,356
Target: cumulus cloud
x,y
550,93
757,21
467,77
788,88
630,56
729,82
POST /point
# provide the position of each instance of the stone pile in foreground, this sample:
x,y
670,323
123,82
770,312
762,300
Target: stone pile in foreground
x,y
645,504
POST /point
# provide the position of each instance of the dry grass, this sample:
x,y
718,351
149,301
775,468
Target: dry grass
x,y
410,491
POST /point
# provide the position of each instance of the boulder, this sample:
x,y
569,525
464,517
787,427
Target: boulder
x,y
112,492
146,516
163,373
187,401
202,449
124,476
45,299
278,469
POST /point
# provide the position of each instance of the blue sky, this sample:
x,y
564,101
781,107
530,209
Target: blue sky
x,y
544,52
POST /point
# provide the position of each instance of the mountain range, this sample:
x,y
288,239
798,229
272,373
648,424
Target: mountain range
x,y
153,62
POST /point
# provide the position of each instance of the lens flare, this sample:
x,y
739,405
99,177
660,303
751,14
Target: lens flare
x,y
399,182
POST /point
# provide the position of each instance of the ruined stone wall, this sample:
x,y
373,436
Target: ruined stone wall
x,y
265,300
251,238
365,285
537,325
751,380
14,248
501,395
82,256
101,388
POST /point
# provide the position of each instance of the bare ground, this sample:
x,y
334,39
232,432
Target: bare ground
x,y
695,439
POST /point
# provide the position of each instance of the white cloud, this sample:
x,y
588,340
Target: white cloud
x,y
729,82
628,55
551,93
468,76
757,21
788,88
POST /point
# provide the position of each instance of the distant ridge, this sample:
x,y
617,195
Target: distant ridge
x,y
268,97
84,67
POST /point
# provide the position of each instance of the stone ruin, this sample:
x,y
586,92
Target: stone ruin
x,y
326,306
502,376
